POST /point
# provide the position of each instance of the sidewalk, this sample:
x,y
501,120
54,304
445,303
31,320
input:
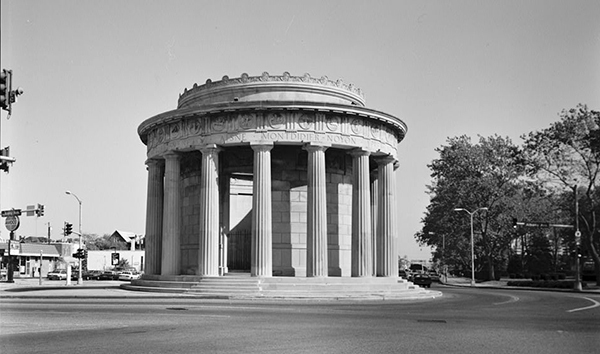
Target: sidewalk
x,y
57,289
592,287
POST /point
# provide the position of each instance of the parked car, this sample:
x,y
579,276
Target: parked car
x,y
85,275
109,275
423,280
129,275
434,276
58,274
94,274
402,274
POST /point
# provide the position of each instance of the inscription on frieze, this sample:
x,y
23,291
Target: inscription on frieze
x,y
278,127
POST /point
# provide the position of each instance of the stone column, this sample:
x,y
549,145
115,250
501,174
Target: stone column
x,y
208,255
374,205
224,196
362,263
387,259
154,216
262,224
316,233
171,250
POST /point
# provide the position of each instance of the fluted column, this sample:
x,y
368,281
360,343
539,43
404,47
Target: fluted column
x,y
362,264
316,234
154,216
387,259
262,224
171,250
208,255
374,206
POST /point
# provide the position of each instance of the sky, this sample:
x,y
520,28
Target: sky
x,y
93,71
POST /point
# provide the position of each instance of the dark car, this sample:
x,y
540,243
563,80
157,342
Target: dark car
x,y
423,280
109,275
93,274
75,275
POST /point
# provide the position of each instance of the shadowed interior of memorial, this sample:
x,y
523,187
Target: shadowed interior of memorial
x,y
289,198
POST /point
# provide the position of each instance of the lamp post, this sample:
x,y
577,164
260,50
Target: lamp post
x,y
79,276
472,243
577,284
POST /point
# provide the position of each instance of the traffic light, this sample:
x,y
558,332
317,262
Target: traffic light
x,y
514,223
5,82
68,229
114,259
8,96
40,210
5,159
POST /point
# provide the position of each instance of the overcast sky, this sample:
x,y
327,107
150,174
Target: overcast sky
x,y
92,71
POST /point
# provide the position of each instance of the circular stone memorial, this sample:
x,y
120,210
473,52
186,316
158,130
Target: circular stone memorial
x,y
275,180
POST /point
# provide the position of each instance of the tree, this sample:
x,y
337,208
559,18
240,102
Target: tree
x,y
123,264
566,156
105,242
470,176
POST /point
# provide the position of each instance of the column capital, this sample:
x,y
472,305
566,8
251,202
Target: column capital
x,y
153,161
383,160
316,147
171,155
210,148
261,146
359,152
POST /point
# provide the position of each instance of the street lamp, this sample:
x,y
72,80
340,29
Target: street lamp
x,y
472,244
79,276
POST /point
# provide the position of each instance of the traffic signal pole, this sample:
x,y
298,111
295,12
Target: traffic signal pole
x,y
9,276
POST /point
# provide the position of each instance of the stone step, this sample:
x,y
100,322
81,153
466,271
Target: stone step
x,y
242,285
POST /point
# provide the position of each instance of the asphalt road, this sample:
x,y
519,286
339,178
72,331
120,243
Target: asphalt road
x,y
464,320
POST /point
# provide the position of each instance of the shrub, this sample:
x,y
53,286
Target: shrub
x,y
557,284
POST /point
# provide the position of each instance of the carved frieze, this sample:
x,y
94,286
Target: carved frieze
x,y
292,127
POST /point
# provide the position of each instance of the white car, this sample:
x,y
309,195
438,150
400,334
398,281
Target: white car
x,y
59,274
127,275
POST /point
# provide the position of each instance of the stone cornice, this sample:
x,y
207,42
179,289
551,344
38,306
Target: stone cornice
x,y
178,114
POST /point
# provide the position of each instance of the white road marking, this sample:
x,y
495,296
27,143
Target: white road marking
x,y
595,304
512,299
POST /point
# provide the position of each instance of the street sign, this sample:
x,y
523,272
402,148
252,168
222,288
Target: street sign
x,y
30,210
12,223
11,212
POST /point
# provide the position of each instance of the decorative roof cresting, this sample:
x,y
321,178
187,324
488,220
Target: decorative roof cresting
x,y
265,77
